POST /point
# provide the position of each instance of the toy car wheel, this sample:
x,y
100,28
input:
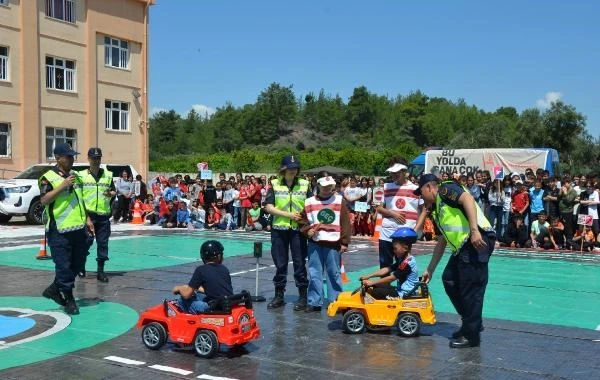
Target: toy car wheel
x,y
409,324
354,322
154,335
206,344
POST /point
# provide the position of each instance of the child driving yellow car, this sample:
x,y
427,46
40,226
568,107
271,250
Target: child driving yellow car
x,y
404,269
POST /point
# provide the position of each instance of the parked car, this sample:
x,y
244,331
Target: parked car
x,y
230,321
21,194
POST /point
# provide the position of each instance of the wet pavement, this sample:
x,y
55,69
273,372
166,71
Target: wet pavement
x,y
542,318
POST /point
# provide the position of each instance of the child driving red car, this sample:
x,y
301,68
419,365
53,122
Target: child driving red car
x,y
212,279
404,269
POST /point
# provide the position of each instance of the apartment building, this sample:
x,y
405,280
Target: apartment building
x,y
73,71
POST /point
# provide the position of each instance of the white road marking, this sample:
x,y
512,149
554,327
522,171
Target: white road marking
x,y
170,369
119,359
209,377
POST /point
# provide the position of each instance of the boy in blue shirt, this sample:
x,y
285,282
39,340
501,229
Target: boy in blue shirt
x,y
403,269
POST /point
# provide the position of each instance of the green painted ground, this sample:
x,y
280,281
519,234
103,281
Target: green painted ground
x,y
137,253
87,329
529,290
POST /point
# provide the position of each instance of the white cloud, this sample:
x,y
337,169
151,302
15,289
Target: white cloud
x,y
155,110
203,110
549,98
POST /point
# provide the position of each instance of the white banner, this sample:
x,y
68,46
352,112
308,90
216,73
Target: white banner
x,y
468,161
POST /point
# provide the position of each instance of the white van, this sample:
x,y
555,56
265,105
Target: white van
x,y
21,194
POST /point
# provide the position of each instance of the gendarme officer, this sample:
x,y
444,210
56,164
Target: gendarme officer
x,y
98,188
61,194
471,238
285,201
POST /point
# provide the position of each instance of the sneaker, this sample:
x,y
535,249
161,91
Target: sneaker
x,y
120,219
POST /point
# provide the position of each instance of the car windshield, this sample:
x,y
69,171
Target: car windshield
x,y
33,172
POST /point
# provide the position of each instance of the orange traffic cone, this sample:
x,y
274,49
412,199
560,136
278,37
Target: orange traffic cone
x,y
42,254
137,213
343,272
377,231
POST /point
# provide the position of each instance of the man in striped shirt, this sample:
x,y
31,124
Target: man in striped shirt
x,y
400,209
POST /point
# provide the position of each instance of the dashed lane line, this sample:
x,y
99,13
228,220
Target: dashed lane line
x,y
119,359
165,368
209,377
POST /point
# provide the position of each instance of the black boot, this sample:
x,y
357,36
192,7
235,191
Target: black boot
x,y
101,276
70,305
53,293
302,300
278,300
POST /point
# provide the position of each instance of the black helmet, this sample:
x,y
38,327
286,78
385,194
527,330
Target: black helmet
x,y
211,249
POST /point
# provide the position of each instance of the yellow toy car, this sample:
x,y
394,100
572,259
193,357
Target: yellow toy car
x,y
361,311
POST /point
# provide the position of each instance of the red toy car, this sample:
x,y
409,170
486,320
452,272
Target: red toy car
x,y
230,321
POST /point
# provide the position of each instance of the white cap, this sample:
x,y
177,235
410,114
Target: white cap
x,y
396,168
514,174
326,181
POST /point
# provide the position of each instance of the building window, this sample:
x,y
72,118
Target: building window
x,y
116,53
60,74
56,136
61,10
3,62
5,140
117,115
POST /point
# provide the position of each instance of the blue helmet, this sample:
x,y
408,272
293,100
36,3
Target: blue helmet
x,y
405,234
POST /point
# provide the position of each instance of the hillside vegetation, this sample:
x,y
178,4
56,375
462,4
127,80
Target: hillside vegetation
x,y
360,134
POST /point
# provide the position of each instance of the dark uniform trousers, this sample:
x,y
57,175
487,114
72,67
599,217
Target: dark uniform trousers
x,y
282,242
102,232
465,279
68,253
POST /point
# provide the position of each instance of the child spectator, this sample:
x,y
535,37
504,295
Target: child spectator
x,y
197,215
225,219
212,219
557,229
265,219
148,212
404,269
169,217
245,204
172,193
520,200
515,235
588,240
540,236
253,217
212,279
183,215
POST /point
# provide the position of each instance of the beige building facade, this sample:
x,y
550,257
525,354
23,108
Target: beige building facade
x,y
73,71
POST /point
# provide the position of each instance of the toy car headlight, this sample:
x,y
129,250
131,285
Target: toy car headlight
x,y
18,189
230,319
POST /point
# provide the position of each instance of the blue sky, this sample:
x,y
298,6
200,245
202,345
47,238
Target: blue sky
x,y
204,53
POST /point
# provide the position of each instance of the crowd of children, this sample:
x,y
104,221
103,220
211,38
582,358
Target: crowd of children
x,y
529,210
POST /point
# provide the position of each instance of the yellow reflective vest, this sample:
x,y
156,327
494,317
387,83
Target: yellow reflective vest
x,y
67,209
93,192
454,225
290,201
